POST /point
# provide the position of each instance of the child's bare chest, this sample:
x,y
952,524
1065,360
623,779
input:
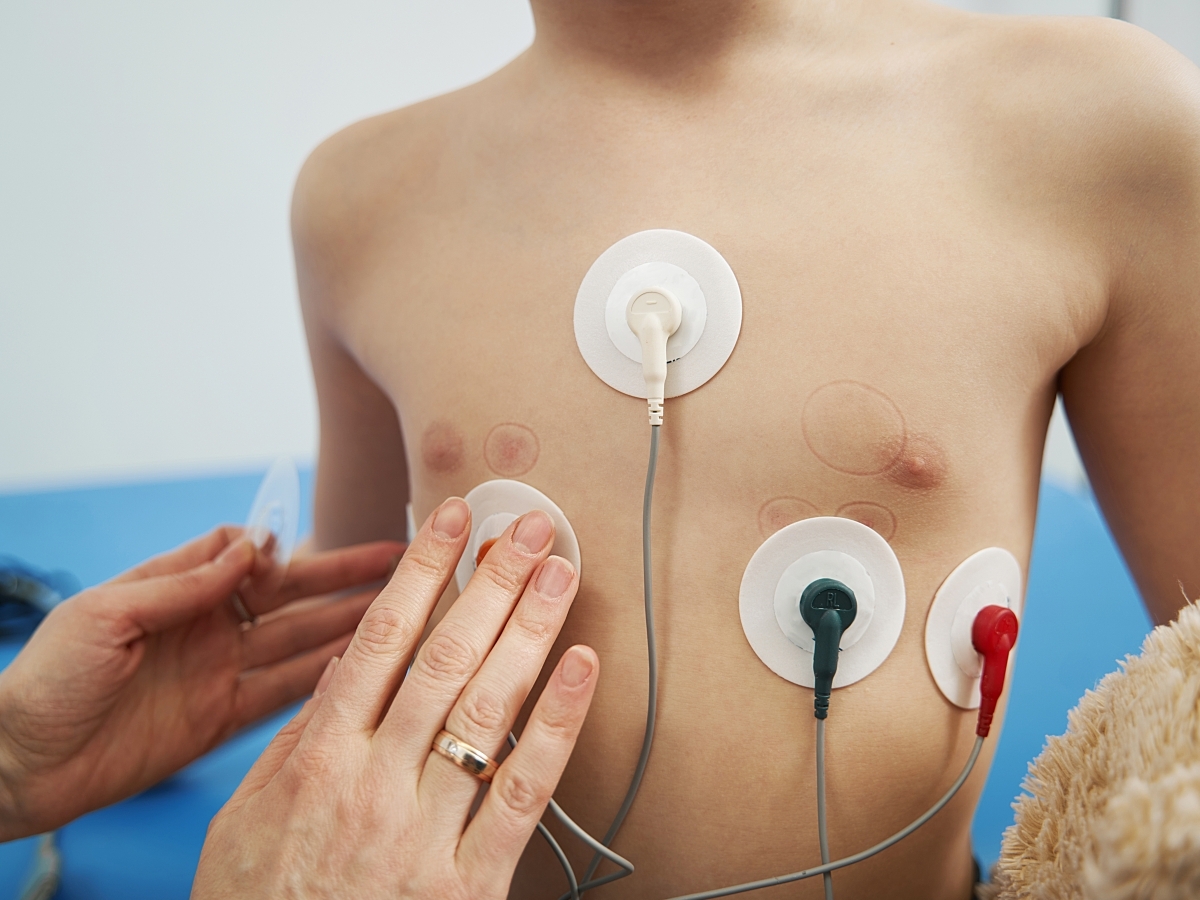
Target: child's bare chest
x,y
897,350
895,365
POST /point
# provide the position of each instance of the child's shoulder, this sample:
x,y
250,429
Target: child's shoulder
x,y
1073,93
381,172
357,175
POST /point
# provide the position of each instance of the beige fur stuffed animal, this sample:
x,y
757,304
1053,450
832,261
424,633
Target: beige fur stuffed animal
x,y
1114,811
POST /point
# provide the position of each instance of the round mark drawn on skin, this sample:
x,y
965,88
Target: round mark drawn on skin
x,y
783,511
920,465
510,449
442,448
878,518
853,428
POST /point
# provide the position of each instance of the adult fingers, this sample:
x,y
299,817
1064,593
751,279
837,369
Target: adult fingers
x,y
282,745
188,556
333,570
273,687
290,633
373,664
455,650
325,573
489,703
524,784
163,601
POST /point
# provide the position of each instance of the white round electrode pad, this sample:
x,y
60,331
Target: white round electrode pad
x,y
991,577
809,568
691,270
685,289
497,504
794,557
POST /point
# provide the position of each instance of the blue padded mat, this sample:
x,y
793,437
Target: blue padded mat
x,y
148,846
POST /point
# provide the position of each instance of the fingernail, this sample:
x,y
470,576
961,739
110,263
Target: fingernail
x,y
555,577
326,677
533,531
451,518
238,553
577,668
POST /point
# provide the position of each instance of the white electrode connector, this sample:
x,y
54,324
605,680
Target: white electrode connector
x,y
654,315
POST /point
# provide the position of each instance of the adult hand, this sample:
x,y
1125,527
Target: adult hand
x,y
350,801
129,681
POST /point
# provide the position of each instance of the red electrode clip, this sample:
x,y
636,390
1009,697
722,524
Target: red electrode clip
x,y
993,633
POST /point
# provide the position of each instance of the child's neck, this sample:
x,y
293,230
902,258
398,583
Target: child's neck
x,y
670,40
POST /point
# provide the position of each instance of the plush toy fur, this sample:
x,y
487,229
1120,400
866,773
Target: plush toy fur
x,y
1113,811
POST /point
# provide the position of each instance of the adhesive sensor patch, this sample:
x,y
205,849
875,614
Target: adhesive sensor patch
x,y
692,271
275,514
685,289
497,504
991,577
794,557
809,568
274,521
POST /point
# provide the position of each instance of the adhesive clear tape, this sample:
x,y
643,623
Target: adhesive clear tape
x,y
272,524
275,512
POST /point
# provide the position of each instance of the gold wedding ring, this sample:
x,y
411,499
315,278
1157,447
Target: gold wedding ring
x,y
239,607
465,756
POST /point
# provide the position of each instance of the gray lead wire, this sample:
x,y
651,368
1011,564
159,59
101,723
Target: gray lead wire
x,y
857,857
573,893
652,654
569,824
601,848
822,827
574,890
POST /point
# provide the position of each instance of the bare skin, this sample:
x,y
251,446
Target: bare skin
x,y
937,220
131,680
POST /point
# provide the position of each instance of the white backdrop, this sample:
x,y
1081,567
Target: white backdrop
x,y
148,324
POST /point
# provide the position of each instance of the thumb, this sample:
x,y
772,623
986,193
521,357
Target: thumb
x,y
281,745
162,602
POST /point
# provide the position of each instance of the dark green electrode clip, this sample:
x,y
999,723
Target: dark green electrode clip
x,y
829,608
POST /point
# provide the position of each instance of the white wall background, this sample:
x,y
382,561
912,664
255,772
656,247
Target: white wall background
x,y
148,323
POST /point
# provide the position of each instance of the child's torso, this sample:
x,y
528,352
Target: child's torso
x,y
904,319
